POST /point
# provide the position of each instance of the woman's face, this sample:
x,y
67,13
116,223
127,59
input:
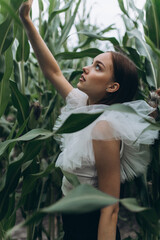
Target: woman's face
x,y
97,78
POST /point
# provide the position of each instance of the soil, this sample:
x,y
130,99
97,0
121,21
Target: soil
x,y
127,226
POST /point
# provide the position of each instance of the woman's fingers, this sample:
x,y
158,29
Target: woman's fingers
x,y
24,10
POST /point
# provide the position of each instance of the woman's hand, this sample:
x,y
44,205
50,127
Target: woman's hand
x,y
24,10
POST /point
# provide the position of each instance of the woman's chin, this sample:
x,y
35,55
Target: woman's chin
x,y
79,86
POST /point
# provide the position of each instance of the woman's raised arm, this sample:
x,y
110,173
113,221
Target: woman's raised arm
x,y
46,60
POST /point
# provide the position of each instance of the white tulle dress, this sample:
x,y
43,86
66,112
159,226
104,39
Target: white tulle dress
x,y
77,154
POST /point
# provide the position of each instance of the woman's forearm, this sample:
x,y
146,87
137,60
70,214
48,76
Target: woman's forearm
x,y
108,223
45,58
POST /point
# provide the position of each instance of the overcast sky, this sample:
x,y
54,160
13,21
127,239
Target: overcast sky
x,y
102,13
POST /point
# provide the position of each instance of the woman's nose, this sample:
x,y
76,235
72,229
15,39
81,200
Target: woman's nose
x,y
86,69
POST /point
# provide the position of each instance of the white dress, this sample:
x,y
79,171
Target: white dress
x,y
77,154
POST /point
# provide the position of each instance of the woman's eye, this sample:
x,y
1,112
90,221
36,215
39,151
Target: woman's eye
x,y
97,67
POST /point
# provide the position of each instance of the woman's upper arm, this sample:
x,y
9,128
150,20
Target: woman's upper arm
x,y
61,84
107,158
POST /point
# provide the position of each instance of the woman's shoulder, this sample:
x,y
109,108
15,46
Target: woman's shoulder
x,y
76,98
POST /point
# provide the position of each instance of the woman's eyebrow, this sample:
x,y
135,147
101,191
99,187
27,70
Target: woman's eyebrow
x,y
97,61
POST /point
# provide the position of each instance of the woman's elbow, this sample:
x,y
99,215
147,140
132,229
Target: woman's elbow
x,y
112,212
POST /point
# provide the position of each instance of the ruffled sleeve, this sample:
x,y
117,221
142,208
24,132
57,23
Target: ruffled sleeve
x,y
77,149
130,129
74,100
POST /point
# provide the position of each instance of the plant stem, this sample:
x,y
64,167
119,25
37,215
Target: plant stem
x,y
51,217
38,207
22,65
40,31
22,77
29,230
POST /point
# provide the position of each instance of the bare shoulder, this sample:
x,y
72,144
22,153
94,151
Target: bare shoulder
x,y
103,131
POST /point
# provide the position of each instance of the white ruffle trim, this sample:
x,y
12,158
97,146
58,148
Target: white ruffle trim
x,y
77,149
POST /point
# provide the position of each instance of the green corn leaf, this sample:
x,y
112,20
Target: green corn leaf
x,y
6,27
139,12
51,107
23,49
76,122
11,11
150,220
40,134
14,173
99,37
84,198
92,52
145,50
68,26
153,21
10,218
20,132
2,66
20,102
30,182
72,178
122,7
132,205
4,84
57,11
6,35
74,74
152,45
41,6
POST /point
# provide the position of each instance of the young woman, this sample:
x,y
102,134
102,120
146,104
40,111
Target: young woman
x,y
107,152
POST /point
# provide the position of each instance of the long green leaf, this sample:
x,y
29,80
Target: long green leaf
x,y
4,84
132,205
153,21
20,102
152,45
6,35
113,40
57,11
76,122
11,11
2,66
31,135
84,198
23,49
6,28
146,51
68,26
122,7
91,52
14,173
30,181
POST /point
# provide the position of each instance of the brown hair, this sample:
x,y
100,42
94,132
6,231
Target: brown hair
x,y
125,73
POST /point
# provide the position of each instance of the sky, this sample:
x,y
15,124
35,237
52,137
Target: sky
x,y
102,13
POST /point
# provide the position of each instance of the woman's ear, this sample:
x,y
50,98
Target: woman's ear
x,y
113,87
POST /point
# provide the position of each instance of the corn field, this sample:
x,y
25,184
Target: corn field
x,y
29,105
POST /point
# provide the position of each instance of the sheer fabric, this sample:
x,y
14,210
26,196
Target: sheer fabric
x,y
77,151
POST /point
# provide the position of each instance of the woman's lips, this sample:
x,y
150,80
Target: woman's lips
x,y
82,78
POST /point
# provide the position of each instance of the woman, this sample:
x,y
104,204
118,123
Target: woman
x,y
103,154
